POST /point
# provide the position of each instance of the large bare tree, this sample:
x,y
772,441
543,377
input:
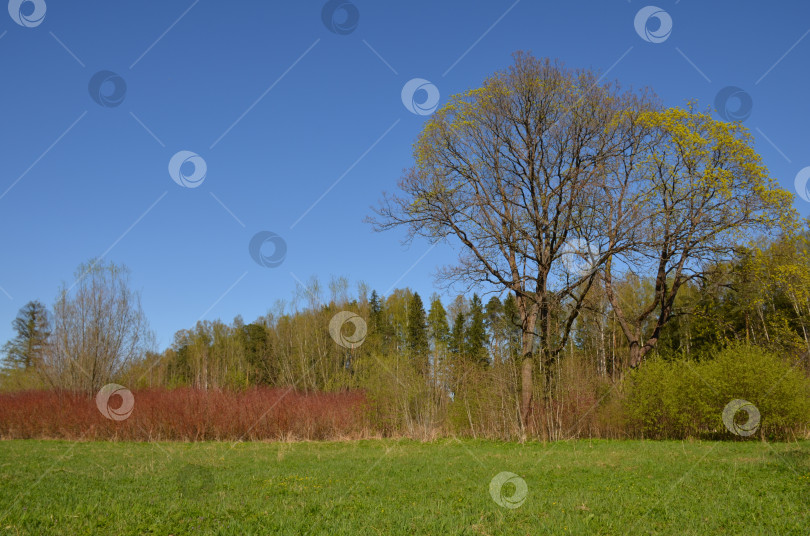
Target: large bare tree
x,y
517,172
98,327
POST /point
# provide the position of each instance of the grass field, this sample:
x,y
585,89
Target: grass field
x,y
404,487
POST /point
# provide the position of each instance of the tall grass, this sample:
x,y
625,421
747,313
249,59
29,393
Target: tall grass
x,y
187,414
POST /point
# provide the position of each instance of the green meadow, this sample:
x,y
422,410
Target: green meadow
x,y
404,487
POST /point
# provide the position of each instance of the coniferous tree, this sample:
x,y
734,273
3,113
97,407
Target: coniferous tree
x,y
439,334
32,329
379,328
457,334
374,310
476,333
439,329
417,334
257,353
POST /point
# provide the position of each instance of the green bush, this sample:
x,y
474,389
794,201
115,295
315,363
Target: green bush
x,y
684,398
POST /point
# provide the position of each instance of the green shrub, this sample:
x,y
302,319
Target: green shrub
x,y
684,398
780,391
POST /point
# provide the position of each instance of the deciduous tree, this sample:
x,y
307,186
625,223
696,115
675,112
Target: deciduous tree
x,y
707,195
515,172
98,327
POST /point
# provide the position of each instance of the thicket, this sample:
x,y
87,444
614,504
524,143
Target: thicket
x,y
685,398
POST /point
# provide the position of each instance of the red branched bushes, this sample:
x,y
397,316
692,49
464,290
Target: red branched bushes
x,y
187,415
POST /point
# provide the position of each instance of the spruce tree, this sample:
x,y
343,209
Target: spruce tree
x,y
439,333
437,324
374,311
476,336
457,346
379,329
32,326
417,334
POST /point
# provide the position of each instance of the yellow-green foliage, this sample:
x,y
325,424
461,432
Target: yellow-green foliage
x,y
684,398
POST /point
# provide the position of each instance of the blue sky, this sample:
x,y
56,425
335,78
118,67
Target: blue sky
x,y
280,109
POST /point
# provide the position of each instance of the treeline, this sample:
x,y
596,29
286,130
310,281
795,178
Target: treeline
x,y
429,367
297,348
762,297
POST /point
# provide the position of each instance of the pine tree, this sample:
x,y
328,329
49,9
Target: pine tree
x,y
32,326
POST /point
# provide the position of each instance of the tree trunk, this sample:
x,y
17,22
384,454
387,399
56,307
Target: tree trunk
x,y
527,370
635,354
527,390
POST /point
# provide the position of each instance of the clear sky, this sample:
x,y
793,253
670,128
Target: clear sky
x,y
300,126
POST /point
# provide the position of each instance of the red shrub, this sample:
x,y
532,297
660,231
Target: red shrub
x,y
187,414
